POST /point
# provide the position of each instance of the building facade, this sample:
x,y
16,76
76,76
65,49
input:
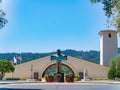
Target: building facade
x,y
76,65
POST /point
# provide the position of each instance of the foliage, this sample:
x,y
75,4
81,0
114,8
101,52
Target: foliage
x,y
118,79
115,62
12,78
111,73
25,56
117,73
3,21
23,78
39,79
5,66
69,75
112,63
77,78
114,67
107,6
52,69
58,75
111,8
99,78
49,75
92,56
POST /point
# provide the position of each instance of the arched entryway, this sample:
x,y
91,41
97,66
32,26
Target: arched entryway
x,y
52,69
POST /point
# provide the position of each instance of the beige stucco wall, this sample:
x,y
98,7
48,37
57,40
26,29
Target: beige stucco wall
x,y
76,64
108,46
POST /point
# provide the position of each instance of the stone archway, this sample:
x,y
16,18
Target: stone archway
x,y
52,69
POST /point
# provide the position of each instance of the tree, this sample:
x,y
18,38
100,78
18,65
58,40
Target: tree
x,y
115,62
5,66
114,67
111,73
3,21
111,8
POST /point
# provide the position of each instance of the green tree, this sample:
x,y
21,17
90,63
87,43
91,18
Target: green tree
x,y
111,8
114,67
115,62
117,73
112,63
5,66
112,73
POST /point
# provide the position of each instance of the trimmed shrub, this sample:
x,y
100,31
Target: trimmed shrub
x,y
111,73
99,79
117,73
114,71
12,78
39,79
118,79
77,78
23,78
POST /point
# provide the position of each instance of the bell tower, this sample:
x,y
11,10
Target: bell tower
x,y
108,46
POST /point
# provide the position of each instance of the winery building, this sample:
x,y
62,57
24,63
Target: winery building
x,y
73,65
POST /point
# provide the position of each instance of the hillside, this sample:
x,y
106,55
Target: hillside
x,y
92,56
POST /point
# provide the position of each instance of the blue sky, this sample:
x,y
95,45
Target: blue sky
x,y
48,25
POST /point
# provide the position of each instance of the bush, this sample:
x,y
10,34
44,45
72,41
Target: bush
x,y
77,78
99,78
114,72
69,75
12,78
23,78
39,79
49,75
58,75
117,73
118,79
111,73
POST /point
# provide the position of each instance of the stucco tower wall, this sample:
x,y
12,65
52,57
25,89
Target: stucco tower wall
x,y
108,46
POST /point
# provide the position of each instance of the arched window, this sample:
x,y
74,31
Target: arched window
x,y
52,69
109,35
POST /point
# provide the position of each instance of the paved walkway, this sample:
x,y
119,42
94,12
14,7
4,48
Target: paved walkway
x,y
86,85
90,82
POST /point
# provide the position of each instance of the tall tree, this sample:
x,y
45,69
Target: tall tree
x,y
114,67
5,66
112,9
3,21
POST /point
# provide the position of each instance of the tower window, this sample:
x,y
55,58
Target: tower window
x,y
109,35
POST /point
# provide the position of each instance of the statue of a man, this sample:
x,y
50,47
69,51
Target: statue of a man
x,y
59,52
